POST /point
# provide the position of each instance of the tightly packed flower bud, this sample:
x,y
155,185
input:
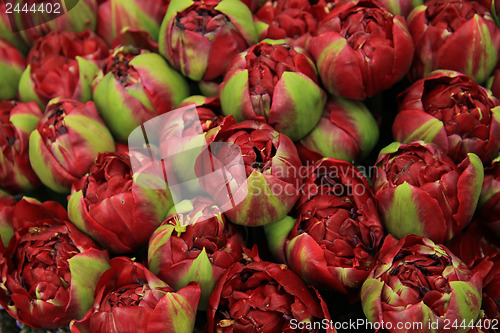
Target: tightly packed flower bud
x,y
338,231
261,296
346,130
194,243
62,64
200,38
49,269
459,35
261,172
276,82
418,281
66,141
361,49
452,111
17,121
419,190
134,86
111,205
129,298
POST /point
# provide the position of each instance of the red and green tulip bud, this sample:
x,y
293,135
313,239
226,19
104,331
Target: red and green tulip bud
x,y
18,120
196,244
456,35
114,16
12,65
419,190
489,201
200,38
49,269
135,86
182,137
420,282
261,296
275,82
401,7
112,205
66,71
338,231
261,172
129,298
361,49
346,131
66,141
452,111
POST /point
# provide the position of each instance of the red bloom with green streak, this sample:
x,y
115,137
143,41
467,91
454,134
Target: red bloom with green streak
x,y
200,38
419,190
62,64
346,130
135,86
110,205
361,49
49,268
459,35
489,201
17,121
338,232
276,82
418,281
452,111
259,296
129,298
264,185
66,142
194,243
12,65
113,16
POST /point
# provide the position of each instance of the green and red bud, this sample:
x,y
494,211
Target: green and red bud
x,y
113,204
456,35
49,268
419,190
200,38
417,281
347,131
66,141
361,49
134,86
452,111
129,298
260,172
194,243
276,82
